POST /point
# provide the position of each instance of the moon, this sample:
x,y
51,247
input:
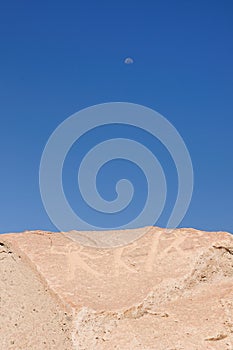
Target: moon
x,y
128,60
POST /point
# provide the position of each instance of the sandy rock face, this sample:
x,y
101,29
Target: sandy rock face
x,y
165,291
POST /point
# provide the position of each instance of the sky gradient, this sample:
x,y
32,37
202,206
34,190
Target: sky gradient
x,y
58,57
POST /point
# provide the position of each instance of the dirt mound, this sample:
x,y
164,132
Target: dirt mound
x,y
30,318
167,290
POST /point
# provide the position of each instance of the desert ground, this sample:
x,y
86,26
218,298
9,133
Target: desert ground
x,y
163,290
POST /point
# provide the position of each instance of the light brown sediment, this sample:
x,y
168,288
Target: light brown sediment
x,y
164,291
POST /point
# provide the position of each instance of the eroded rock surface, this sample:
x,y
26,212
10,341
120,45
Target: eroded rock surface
x,y
165,291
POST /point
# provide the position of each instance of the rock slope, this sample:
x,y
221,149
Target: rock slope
x,y
165,291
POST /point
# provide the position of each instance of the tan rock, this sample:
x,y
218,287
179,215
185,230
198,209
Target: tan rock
x,y
165,291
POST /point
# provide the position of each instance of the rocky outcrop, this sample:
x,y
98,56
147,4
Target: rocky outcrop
x,y
167,290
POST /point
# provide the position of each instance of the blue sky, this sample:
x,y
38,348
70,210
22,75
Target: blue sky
x,y
58,57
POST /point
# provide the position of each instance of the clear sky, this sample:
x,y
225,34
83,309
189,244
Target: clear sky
x,y
58,57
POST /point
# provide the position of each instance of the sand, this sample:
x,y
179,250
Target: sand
x,y
164,291
30,318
